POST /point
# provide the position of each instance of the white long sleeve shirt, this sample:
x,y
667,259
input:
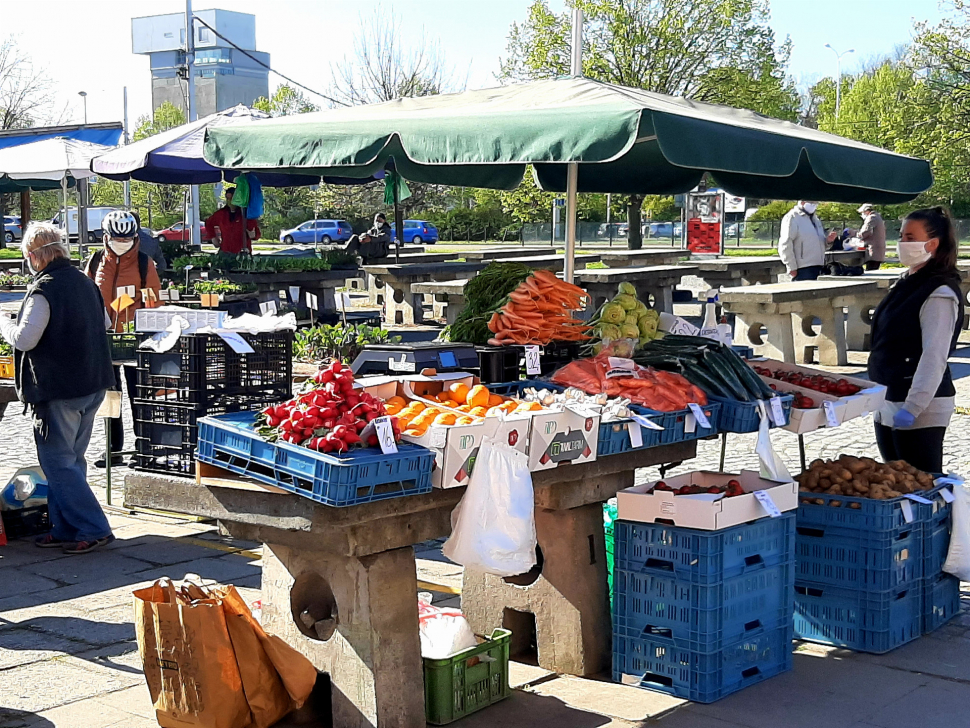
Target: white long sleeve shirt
x,y
35,315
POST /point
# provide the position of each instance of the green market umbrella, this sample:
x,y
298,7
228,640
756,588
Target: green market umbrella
x,y
623,140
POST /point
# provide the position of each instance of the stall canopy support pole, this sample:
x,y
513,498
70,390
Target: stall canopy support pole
x,y
107,458
572,169
801,451
723,450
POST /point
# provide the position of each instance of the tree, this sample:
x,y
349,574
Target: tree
x,y
25,91
719,51
285,101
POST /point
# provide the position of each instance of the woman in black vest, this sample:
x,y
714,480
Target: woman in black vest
x,y
914,331
62,367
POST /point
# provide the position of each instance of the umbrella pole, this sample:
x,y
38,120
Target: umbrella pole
x,y
572,182
67,225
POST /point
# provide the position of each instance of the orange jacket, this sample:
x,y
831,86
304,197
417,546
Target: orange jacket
x,y
114,273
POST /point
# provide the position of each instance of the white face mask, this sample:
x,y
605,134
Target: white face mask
x,y
810,207
120,247
913,253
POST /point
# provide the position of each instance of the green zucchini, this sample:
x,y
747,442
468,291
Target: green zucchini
x,y
697,375
713,363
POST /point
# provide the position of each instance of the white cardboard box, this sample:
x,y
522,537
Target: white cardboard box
x,y
640,503
563,437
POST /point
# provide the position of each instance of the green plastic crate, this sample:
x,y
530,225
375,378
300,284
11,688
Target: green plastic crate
x,y
459,685
609,515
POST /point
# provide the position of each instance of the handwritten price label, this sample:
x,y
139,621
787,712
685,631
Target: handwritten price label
x,y
831,418
699,415
385,435
767,503
636,434
777,413
532,357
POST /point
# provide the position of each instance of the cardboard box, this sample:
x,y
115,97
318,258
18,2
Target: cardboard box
x,y
706,512
563,437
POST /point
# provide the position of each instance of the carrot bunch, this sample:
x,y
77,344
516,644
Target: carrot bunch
x,y
538,312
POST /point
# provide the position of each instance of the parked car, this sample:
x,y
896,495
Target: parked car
x,y
318,231
663,230
95,216
619,230
417,232
178,231
11,229
733,230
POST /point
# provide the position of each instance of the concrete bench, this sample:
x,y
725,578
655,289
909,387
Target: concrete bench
x,y
375,293
356,565
403,305
322,284
505,253
448,297
640,258
849,258
784,307
654,284
738,271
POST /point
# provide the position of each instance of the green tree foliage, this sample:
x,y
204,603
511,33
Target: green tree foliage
x,y
719,51
285,101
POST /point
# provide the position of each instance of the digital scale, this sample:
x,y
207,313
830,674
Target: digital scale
x,y
412,358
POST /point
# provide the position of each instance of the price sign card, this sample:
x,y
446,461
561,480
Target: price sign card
x,y
312,302
532,360
237,343
699,415
646,422
295,294
385,435
777,413
685,328
831,418
269,308
174,294
636,434
767,503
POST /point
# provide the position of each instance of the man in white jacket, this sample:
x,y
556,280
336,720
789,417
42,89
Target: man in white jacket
x,y
803,242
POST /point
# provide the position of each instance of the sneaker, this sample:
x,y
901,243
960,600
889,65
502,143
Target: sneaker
x,y
82,547
116,462
47,541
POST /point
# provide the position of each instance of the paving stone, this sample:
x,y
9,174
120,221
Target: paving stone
x,y
22,582
538,711
160,551
523,674
100,628
618,701
52,683
78,569
687,717
135,700
87,713
939,704
22,646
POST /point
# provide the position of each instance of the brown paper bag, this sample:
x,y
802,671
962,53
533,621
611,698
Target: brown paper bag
x,y
189,660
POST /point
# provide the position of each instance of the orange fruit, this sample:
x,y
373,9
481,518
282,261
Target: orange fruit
x,y
415,431
445,418
494,400
509,405
459,392
465,420
464,408
399,401
477,396
494,412
529,407
477,411
416,406
391,409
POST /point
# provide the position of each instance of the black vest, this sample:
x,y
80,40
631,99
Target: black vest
x,y
72,358
897,337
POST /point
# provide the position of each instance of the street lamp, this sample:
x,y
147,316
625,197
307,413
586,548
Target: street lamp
x,y
838,76
84,95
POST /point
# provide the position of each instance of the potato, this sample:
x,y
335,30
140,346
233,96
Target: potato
x,y
856,467
824,483
817,463
845,474
857,506
835,503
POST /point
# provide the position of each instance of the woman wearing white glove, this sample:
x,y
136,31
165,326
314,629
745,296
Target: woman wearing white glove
x,y
914,331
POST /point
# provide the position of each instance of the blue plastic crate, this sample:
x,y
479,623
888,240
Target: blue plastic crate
x,y
937,526
361,476
657,664
821,510
738,416
941,600
865,621
703,557
703,618
857,558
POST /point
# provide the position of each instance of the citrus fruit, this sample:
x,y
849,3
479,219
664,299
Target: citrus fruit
x,y
460,392
495,399
477,396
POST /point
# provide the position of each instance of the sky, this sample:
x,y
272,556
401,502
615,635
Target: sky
x,y
85,45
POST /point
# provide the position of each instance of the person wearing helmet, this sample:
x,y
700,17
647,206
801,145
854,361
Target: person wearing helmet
x,y
229,230
118,266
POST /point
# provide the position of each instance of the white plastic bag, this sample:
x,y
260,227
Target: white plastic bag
x,y
493,527
444,631
958,557
772,466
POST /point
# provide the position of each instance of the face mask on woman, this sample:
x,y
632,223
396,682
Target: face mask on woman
x,y
810,207
120,247
913,253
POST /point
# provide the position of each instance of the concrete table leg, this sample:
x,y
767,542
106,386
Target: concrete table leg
x,y
439,305
568,599
403,306
663,296
830,340
371,648
454,307
779,342
373,289
857,325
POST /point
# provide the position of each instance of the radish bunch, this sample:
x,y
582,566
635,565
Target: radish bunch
x,y
330,416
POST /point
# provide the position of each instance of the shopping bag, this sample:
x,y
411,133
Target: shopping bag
x,y
958,557
772,466
189,660
493,526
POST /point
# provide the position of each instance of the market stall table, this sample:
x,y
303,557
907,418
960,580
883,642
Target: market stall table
x,y
504,252
375,292
635,258
321,283
858,320
356,565
402,304
654,284
779,307
741,271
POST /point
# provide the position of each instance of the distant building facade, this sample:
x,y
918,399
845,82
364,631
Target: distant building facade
x,y
224,76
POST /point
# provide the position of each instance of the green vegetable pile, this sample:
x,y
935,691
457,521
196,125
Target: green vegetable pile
x,y
320,343
231,263
485,294
625,317
14,279
709,364
221,286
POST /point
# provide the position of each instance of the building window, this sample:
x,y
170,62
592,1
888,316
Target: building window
x,y
216,55
203,35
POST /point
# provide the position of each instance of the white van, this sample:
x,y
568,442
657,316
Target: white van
x,y
95,218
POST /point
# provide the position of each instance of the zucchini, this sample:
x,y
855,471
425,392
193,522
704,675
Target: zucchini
x,y
718,368
747,375
695,374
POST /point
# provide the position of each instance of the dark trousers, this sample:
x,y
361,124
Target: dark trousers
x,y
873,265
808,273
922,448
118,423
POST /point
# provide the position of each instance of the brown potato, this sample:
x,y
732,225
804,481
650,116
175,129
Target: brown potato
x,y
856,467
817,463
845,474
824,483
835,503
857,506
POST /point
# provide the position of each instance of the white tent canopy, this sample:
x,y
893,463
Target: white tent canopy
x,y
51,159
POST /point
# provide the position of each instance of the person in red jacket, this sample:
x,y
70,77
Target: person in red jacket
x,y
229,230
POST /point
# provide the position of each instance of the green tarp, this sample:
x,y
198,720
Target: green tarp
x,y
625,140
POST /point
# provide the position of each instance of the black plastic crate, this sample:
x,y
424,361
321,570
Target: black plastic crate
x,y
202,369
26,522
166,434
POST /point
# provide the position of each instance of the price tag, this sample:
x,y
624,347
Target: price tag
x,y
947,495
685,328
767,503
282,296
163,294
532,360
295,294
122,302
907,511
126,291
174,294
188,268
919,499
237,343
617,362
613,373
385,435
777,413
209,300
831,418
311,301
269,308
646,422
699,415
636,434
690,423
439,436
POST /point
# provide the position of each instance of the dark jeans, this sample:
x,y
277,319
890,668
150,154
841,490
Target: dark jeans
x,y
874,265
62,431
922,448
808,273
118,423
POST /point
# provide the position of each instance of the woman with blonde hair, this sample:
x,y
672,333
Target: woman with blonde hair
x,y
63,367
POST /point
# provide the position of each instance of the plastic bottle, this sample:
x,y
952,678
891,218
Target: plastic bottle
x,y
725,334
709,327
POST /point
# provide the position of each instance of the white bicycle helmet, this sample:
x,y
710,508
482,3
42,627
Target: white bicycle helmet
x,y
120,224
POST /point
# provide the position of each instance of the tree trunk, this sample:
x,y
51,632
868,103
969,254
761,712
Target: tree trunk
x,y
634,235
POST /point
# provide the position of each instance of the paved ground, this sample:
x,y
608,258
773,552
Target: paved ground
x,y
68,655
